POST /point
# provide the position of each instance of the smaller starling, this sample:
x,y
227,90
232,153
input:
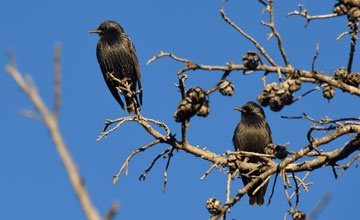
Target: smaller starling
x,y
252,134
116,55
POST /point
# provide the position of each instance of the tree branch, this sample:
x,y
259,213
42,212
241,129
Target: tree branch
x,y
51,123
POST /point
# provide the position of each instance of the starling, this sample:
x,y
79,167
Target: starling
x,y
117,56
252,134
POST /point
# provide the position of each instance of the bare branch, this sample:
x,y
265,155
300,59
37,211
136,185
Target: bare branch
x,y
228,185
113,210
169,156
344,167
126,163
304,13
354,38
208,171
315,56
305,76
257,45
271,25
143,176
319,206
51,123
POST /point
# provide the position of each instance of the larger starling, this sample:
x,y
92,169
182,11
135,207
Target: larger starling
x,y
116,55
252,134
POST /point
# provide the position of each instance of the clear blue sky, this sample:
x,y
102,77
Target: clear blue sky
x,y
33,182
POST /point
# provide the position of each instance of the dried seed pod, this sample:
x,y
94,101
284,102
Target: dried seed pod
x,y
226,88
194,103
340,74
251,60
272,86
184,111
195,95
275,103
287,98
353,79
298,215
328,91
213,206
280,152
263,98
340,9
294,84
203,110
353,14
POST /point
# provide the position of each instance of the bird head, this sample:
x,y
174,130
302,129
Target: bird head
x,y
251,109
108,28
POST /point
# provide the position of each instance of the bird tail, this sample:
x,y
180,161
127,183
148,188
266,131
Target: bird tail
x,y
258,197
132,105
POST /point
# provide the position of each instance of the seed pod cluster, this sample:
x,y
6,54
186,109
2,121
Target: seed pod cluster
x,y
342,75
195,102
213,206
279,95
341,8
353,79
251,60
226,88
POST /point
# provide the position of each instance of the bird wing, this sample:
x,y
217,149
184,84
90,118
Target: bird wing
x,y
112,88
137,69
106,66
269,132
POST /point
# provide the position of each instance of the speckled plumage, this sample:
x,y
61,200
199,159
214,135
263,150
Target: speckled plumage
x,y
252,134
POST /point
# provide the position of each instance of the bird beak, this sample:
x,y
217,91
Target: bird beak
x,y
95,31
239,109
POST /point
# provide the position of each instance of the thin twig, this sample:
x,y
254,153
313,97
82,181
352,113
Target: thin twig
x,y
272,189
284,175
113,210
304,13
170,155
126,163
296,190
317,88
315,56
353,40
208,171
261,185
228,185
109,122
271,25
319,206
57,81
257,45
184,124
143,176
301,181
344,167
